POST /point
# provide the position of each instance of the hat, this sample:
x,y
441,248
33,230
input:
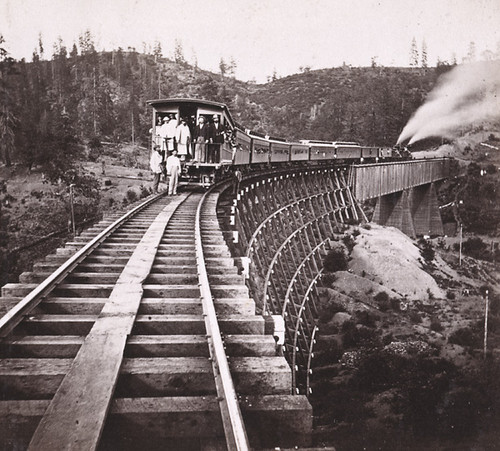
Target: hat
x,y
157,147
166,118
215,116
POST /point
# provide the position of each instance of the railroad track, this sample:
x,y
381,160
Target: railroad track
x,y
141,334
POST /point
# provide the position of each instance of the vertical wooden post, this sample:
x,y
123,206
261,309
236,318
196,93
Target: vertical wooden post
x,y
486,308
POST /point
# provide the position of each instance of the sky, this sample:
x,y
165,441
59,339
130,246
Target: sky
x,y
262,36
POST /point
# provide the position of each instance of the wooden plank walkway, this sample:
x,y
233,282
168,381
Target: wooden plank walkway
x,y
83,399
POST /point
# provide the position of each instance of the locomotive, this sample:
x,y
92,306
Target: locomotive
x,y
245,149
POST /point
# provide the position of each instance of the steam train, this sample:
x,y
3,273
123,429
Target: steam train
x,y
245,150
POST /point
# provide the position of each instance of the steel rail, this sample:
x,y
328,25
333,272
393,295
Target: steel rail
x,y
15,315
232,420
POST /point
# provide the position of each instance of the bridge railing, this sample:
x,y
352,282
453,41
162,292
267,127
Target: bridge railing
x,y
374,180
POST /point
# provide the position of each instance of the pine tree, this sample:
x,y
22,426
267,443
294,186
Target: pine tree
x,y
40,46
424,54
194,61
231,67
413,53
8,119
222,68
157,51
179,52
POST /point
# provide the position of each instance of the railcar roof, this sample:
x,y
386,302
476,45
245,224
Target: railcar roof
x,y
197,102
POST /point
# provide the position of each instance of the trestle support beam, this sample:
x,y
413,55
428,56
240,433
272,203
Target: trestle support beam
x,y
284,223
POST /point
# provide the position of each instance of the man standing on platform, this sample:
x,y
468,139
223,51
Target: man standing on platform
x,y
163,132
201,134
183,138
216,136
170,132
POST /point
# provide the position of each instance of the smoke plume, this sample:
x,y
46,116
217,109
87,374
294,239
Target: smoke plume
x,y
467,95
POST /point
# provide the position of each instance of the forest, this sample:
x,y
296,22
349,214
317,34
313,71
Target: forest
x,y
52,104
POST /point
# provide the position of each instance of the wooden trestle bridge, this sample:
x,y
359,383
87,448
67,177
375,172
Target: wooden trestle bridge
x,y
190,322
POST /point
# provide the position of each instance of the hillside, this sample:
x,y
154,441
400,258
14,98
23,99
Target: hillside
x,y
59,111
399,356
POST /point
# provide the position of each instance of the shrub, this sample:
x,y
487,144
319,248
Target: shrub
x,y
395,304
463,412
474,247
415,317
426,250
336,260
326,313
354,336
436,325
145,191
367,319
349,242
131,195
494,303
328,279
366,226
382,300
465,336
95,148
450,295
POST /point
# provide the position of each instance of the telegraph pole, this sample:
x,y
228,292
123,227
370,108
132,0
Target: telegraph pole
x,y
72,209
460,248
486,302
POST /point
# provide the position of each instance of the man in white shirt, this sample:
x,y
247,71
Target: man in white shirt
x,y
163,132
156,166
171,131
183,138
173,171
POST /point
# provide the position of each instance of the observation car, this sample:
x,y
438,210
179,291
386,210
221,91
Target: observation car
x,y
246,149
